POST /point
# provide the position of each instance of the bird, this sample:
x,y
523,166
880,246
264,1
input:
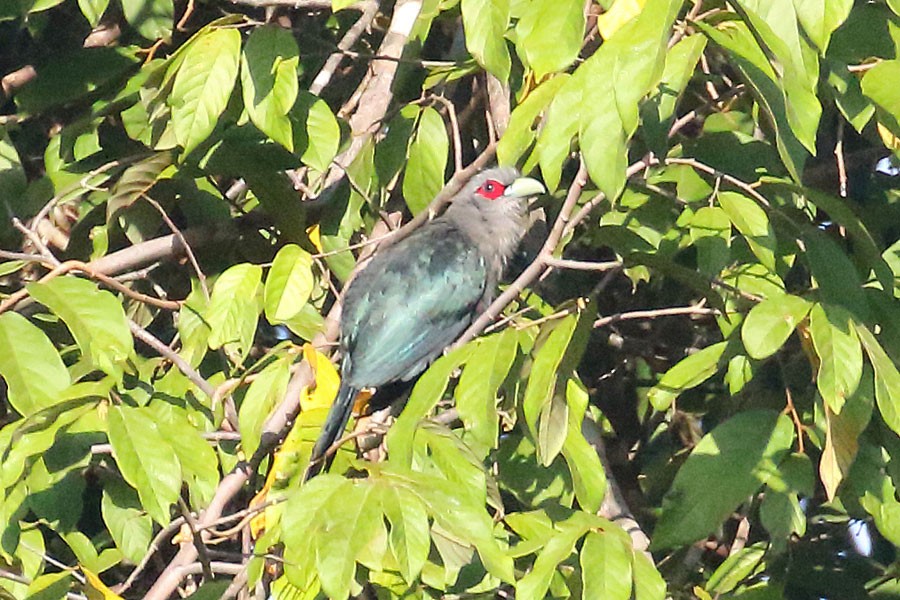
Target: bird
x,y
417,296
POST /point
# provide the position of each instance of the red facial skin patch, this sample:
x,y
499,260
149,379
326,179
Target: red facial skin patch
x,y
491,189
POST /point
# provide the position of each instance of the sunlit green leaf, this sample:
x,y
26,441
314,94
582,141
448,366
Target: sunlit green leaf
x,y
33,370
606,567
770,323
269,65
203,85
424,174
839,352
485,23
725,467
147,461
95,317
288,284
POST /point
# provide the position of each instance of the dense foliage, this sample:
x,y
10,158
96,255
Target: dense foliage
x,y
698,345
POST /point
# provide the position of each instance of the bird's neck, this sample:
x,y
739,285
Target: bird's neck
x,y
496,231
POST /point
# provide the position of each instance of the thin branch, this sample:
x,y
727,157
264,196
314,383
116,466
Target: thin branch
x,y
583,265
655,314
743,185
454,130
187,247
195,535
375,93
323,77
166,352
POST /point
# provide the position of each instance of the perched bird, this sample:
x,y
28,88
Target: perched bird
x,y
418,295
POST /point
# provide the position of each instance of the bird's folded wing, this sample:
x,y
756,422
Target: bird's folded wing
x,y
409,304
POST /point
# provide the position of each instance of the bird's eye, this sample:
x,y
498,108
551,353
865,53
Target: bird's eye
x,y
491,189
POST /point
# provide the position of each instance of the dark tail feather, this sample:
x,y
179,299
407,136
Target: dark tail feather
x,y
332,429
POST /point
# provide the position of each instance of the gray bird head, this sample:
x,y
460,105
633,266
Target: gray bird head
x,y
491,210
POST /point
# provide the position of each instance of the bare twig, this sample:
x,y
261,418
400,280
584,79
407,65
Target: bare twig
x,y
166,352
375,92
187,247
743,185
454,130
698,309
323,77
582,265
839,155
195,535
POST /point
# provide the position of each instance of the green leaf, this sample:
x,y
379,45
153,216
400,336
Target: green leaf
x,y
302,522
269,80
687,373
199,464
95,317
559,127
877,86
151,18
193,330
681,60
887,379
725,467
835,274
538,403
147,461
605,567
347,527
769,324
753,222
615,79
549,34
34,372
93,10
767,87
736,568
819,19
266,391
319,130
203,85
535,583
588,475
233,308
775,26
428,391
456,511
409,536
523,126
288,284
129,525
839,352
424,174
648,583
485,23
136,181
476,393
72,75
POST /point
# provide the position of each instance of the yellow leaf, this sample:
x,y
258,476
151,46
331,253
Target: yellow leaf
x,y
891,141
621,12
326,377
702,594
290,459
315,236
841,446
95,589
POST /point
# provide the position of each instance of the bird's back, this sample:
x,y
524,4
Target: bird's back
x,y
409,303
